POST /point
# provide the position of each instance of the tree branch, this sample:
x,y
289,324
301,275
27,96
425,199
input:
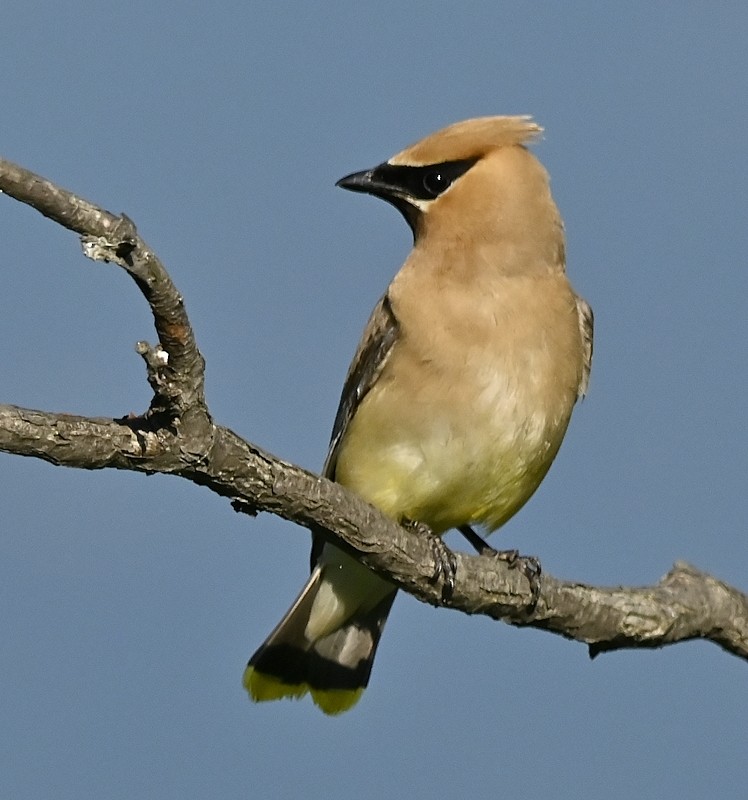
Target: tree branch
x,y
177,436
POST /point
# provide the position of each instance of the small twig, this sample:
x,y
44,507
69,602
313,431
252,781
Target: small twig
x,y
110,238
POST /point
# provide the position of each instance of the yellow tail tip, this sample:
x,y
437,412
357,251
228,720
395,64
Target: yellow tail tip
x,y
336,701
263,687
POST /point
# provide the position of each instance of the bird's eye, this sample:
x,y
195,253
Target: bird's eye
x,y
402,183
435,182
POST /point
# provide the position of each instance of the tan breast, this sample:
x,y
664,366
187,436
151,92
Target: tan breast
x,y
474,401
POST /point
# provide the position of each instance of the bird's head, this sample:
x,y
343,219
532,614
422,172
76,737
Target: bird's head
x,y
472,181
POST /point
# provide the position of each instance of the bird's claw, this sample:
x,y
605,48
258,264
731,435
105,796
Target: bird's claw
x,y
446,567
444,558
530,567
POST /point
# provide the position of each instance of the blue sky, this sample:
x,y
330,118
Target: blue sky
x,y
129,605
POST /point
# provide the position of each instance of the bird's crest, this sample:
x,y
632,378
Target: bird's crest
x,y
471,138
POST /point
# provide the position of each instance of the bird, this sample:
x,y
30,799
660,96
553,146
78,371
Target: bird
x,y
459,393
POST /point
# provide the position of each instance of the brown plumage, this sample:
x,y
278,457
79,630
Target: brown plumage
x,y
460,391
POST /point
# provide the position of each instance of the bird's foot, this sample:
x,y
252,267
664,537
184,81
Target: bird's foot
x,y
529,566
446,563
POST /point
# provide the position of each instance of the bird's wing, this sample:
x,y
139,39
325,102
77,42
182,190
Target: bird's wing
x,y
374,349
586,328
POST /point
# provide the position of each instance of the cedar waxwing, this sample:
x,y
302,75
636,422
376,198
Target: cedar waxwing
x,y
460,391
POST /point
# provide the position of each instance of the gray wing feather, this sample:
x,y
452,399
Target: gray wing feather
x,y
586,328
375,346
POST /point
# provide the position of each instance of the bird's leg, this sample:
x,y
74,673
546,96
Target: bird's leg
x,y
446,564
528,565
482,547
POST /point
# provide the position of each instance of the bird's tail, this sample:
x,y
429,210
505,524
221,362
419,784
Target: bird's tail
x,y
333,667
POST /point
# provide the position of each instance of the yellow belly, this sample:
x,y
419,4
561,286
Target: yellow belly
x,y
426,457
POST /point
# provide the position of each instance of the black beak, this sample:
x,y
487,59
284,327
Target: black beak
x,y
359,182
385,181
382,181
